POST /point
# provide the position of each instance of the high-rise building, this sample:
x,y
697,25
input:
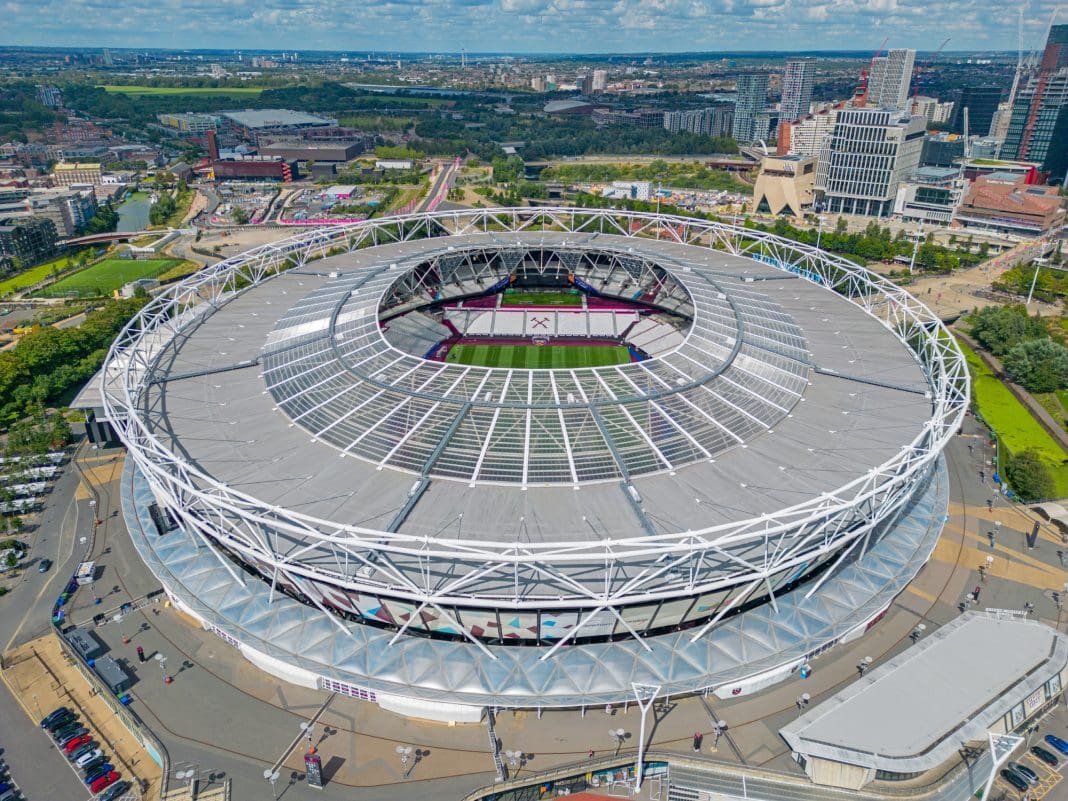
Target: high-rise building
x,y
1039,102
600,81
982,104
797,89
714,121
805,137
890,78
752,95
865,159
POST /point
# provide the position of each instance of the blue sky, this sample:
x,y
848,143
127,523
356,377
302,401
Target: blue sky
x,y
576,26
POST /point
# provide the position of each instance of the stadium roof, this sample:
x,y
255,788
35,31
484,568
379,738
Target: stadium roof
x,y
818,393
914,712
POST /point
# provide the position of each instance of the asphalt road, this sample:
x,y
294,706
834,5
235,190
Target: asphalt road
x,y
36,765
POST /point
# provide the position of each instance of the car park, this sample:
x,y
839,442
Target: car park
x,y
1045,755
104,781
1057,743
71,745
115,791
97,772
1015,779
1029,775
88,757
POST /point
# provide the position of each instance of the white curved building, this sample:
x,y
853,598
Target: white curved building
x,y
355,510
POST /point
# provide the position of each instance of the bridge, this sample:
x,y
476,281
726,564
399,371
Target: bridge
x,y
112,236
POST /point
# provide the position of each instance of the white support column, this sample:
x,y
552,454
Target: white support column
x,y
645,695
1001,748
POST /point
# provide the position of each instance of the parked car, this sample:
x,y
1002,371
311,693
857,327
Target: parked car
x,y
1044,755
1015,779
44,565
115,791
59,721
81,739
91,767
82,749
88,757
104,781
1057,743
54,715
97,772
64,736
1023,770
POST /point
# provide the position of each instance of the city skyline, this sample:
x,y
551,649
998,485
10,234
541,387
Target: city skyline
x,y
533,26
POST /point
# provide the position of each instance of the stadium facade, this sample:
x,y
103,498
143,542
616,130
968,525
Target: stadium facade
x,y
322,474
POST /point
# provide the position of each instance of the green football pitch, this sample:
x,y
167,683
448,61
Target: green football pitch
x,y
538,357
513,298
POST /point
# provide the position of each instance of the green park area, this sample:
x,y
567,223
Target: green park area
x,y
106,276
1015,426
34,275
182,90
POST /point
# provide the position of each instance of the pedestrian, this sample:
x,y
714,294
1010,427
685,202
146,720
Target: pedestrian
x,y
1029,607
993,540
697,741
589,754
1060,557
971,449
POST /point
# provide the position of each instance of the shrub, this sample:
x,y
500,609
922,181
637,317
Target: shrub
x,y
1029,477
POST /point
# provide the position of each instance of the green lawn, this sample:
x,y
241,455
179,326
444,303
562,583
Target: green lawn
x,y
541,299
1014,424
34,275
181,90
537,357
106,276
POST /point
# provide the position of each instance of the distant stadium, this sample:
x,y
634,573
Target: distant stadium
x,y
459,459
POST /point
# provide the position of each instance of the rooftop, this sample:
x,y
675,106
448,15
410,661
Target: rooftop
x,y
932,698
275,118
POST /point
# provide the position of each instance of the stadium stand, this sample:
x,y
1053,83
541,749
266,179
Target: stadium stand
x,y
416,333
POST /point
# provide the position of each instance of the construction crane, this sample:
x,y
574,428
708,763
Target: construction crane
x,y
860,96
924,66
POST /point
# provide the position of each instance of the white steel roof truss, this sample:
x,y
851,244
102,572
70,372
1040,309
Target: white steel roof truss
x,y
563,428
641,431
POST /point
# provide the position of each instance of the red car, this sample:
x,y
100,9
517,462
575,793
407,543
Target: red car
x,y
80,740
104,781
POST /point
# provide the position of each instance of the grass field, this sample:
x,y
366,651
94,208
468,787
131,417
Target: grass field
x,y
34,275
106,276
538,357
541,299
181,90
1014,424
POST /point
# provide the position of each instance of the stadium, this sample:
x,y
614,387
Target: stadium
x,y
534,457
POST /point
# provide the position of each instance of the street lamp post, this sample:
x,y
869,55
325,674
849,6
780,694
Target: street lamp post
x,y
915,246
307,729
404,752
717,732
272,776
163,668
619,735
819,231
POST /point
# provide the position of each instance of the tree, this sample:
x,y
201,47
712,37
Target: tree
x,y
999,328
1040,365
1029,477
239,215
